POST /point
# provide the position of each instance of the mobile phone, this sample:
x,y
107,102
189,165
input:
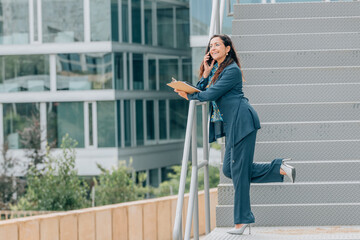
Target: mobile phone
x,y
210,59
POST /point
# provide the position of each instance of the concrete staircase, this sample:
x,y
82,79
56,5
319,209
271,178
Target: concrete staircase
x,y
301,63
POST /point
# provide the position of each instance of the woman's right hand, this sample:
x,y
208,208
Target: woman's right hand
x,y
207,67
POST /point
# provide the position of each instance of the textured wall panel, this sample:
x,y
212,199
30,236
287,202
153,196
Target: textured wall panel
x,y
296,10
297,42
296,25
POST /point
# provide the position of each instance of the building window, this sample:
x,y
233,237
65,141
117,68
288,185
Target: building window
x,y
168,68
63,21
148,21
127,123
182,28
162,120
65,118
139,122
84,71
152,74
136,21
178,117
150,120
138,71
106,123
119,71
125,20
165,26
24,73
100,20
18,117
14,22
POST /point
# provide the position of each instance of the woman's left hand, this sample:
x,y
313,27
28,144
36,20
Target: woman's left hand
x,y
181,94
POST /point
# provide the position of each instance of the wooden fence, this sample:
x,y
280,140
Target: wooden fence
x,y
6,215
151,219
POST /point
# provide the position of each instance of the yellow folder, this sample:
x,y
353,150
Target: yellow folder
x,y
183,86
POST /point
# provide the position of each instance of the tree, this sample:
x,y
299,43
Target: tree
x,y
30,138
117,185
9,184
56,187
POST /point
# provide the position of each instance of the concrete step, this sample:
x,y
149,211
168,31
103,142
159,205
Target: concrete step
x,y
289,233
308,112
296,215
315,41
319,171
295,193
309,131
307,75
310,93
296,25
308,150
292,59
296,10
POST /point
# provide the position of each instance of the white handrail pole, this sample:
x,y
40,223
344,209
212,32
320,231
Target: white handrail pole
x,y
180,201
195,163
206,167
221,14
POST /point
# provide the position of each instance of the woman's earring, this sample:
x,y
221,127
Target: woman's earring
x,y
227,54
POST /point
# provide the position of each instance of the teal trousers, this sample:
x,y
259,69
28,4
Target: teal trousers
x,y
239,166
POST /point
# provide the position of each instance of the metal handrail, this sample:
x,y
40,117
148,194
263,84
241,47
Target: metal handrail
x,y
191,137
217,15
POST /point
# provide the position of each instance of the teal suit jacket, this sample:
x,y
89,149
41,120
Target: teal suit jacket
x,y
239,116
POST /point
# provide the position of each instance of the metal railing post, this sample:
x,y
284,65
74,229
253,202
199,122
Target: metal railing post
x,y
206,167
180,201
195,164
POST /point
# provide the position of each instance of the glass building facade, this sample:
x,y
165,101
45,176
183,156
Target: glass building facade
x,y
97,70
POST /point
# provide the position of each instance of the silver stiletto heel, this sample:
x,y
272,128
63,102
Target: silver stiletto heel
x,y
290,171
286,160
239,231
249,229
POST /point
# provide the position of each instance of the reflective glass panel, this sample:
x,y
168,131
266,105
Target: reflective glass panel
x,y
182,28
118,122
106,123
154,177
65,118
167,68
136,21
148,22
84,71
150,120
114,20
100,20
24,73
119,71
186,68
152,74
63,21
178,116
127,123
165,26
162,119
138,71
14,21
18,117
139,122
125,20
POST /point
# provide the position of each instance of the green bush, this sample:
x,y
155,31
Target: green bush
x,y
117,185
56,186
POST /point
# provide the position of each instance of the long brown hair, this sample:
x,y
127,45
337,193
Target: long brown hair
x,y
230,57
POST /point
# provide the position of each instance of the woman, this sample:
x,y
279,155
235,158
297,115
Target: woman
x,y
232,116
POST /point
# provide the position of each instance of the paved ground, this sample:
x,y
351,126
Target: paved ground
x,y
290,233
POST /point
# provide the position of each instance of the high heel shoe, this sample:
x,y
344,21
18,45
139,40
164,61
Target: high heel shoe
x,y
286,160
240,231
289,170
